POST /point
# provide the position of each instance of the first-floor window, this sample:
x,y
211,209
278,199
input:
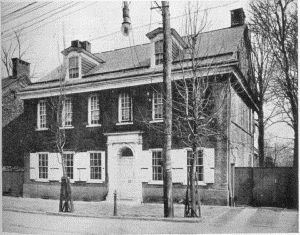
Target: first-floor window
x,y
69,163
43,166
157,170
95,164
199,164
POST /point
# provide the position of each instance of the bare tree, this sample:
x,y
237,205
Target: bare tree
x,y
14,49
277,22
263,66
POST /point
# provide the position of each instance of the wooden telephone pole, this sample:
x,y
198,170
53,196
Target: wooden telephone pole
x,y
167,85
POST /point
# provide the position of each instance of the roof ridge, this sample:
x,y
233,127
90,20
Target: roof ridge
x,y
122,48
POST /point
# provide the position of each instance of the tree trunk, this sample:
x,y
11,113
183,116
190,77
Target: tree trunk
x,y
167,166
193,182
261,133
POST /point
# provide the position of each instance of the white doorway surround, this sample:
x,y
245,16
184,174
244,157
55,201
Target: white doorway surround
x,y
124,151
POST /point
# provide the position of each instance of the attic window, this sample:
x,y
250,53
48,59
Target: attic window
x,y
73,67
159,52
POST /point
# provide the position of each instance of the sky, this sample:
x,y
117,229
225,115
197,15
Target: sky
x,y
49,27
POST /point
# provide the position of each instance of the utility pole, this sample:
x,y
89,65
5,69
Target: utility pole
x,y
167,87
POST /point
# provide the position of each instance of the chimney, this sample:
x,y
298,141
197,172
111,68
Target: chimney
x,y
87,46
237,17
20,67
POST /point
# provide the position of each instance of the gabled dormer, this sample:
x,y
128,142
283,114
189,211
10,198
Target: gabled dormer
x,y
79,60
156,45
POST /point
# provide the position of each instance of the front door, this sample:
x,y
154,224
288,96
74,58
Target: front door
x,y
126,178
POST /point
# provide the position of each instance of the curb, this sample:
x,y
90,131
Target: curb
x,y
179,220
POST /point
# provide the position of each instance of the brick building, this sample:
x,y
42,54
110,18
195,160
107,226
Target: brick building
x,y
113,96
12,114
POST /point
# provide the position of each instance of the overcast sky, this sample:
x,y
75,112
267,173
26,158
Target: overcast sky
x,y
47,25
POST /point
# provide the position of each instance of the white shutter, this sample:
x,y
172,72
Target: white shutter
x,y
178,165
34,166
81,166
103,166
54,166
146,166
209,165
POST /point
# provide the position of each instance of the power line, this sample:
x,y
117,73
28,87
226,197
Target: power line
x,y
53,20
35,18
175,17
7,7
20,9
26,12
46,18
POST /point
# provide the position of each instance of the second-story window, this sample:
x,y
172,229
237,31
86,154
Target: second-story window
x,y
157,106
67,113
125,108
94,110
42,114
73,67
159,52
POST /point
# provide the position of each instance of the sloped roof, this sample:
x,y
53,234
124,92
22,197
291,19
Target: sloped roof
x,y
212,43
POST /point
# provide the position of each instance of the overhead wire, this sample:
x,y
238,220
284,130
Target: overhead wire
x,y
46,18
8,7
26,12
20,9
35,18
52,21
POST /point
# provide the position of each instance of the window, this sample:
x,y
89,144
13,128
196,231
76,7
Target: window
x,y
157,169
42,114
125,108
69,163
159,52
67,113
73,67
94,110
157,109
43,166
95,164
199,164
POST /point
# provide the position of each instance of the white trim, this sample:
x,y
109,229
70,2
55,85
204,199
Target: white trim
x,y
93,125
156,149
42,180
157,182
123,133
42,129
153,99
124,123
66,127
156,121
100,82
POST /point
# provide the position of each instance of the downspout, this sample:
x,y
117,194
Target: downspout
x,y
228,143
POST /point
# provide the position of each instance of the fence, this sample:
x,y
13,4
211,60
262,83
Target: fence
x,y
12,182
270,187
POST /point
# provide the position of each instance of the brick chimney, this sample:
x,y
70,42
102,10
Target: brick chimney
x,y
237,17
85,45
20,67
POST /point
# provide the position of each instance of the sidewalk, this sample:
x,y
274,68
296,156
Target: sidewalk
x,y
105,209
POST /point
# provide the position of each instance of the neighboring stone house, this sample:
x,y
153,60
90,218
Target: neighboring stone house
x,y
109,148
12,114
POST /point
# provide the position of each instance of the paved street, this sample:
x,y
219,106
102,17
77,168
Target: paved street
x,y
37,216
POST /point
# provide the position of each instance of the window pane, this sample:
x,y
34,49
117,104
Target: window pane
x,y
156,166
125,106
43,166
95,164
199,164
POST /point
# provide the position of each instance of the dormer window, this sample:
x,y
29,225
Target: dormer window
x,y
159,55
73,67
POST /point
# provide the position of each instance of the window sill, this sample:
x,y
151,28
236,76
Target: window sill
x,y
42,180
42,129
67,127
200,183
93,125
156,121
158,182
124,123
95,181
